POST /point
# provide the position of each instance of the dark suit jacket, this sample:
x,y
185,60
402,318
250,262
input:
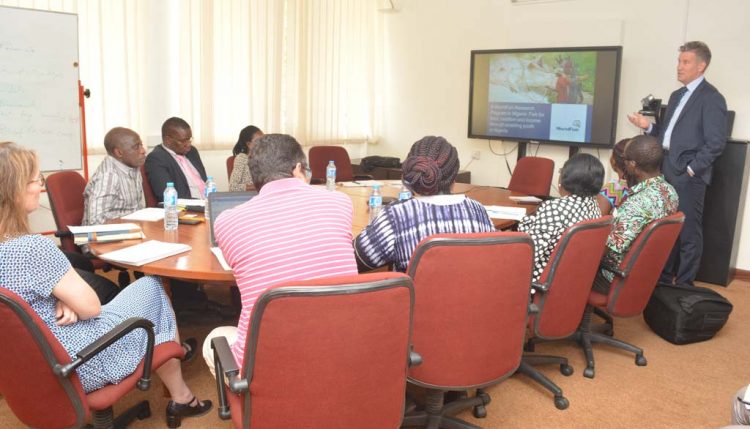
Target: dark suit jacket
x,y
162,168
700,133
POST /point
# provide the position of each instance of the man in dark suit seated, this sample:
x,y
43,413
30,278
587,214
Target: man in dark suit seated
x,y
693,134
176,160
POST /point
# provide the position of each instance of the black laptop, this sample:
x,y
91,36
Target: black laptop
x,y
220,201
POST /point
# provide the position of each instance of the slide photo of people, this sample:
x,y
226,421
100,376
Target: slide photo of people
x,y
550,77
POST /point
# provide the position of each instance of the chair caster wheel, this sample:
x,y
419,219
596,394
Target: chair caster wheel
x,y
566,370
145,412
561,402
640,360
588,372
479,411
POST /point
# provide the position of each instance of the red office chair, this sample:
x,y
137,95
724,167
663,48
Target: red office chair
x,y
326,353
38,379
532,176
630,289
319,157
148,192
65,193
230,166
470,315
561,295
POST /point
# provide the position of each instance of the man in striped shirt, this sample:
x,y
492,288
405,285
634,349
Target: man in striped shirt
x,y
116,188
291,231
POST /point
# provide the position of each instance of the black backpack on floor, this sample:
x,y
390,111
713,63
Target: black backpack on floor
x,y
686,314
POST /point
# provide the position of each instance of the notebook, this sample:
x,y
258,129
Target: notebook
x,y
220,201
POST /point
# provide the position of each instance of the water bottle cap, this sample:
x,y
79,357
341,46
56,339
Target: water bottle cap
x,y
210,177
375,186
330,162
170,184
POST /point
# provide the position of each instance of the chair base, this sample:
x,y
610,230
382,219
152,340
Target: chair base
x,y
437,415
528,370
585,337
104,419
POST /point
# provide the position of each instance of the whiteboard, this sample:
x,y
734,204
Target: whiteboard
x,y
39,85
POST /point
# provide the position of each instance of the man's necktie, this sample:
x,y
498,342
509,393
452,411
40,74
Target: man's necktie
x,y
195,178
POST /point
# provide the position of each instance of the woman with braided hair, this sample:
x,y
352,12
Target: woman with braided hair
x,y
429,172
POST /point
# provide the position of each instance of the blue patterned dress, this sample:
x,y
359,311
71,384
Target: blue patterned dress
x,y
395,233
31,266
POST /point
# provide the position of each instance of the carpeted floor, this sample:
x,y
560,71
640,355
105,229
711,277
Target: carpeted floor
x,y
683,386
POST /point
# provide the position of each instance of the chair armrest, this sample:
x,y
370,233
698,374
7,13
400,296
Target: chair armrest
x,y
61,234
108,339
226,366
539,287
363,177
415,358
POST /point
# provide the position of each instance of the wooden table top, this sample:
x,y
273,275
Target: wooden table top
x,y
200,264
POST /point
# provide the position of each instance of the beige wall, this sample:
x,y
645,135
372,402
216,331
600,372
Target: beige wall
x,y
426,69
427,46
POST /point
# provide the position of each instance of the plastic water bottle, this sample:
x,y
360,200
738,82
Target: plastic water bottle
x,y
170,208
376,202
331,176
404,193
210,187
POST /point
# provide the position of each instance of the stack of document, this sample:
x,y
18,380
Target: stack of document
x,y
146,252
105,233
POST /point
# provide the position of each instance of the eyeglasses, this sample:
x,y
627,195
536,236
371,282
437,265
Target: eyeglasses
x,y
40,180
183,141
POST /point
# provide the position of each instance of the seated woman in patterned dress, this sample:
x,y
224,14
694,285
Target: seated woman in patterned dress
x,y
240,179
35,269
429,172
580,181
616,190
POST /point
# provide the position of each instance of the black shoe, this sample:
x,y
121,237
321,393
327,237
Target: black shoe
x,y
190,345
176,411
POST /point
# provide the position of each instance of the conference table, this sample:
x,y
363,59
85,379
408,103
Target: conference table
x,y
199,264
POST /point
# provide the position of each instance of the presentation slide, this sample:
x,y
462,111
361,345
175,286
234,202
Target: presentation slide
x,y
556,95
541,96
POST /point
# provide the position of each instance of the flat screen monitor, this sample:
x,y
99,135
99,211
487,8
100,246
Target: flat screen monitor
x,y
550,95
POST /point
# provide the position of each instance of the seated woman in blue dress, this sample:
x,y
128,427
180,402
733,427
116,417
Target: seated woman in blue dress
x,y
429,172
35,269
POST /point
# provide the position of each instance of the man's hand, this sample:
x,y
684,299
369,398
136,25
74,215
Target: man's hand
x,y
64,314
639,120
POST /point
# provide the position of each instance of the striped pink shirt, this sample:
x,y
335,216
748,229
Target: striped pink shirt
x,y
291,231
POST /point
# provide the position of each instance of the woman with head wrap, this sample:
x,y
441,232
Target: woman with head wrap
x,y
429,172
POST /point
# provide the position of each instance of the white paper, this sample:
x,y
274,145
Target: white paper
x,y
149,214
352,185
525,199
220,257
110,227
504,212
368,182
145,252
184,202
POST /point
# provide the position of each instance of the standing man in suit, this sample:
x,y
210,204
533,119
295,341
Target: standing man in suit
x,y
693,134
176,160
